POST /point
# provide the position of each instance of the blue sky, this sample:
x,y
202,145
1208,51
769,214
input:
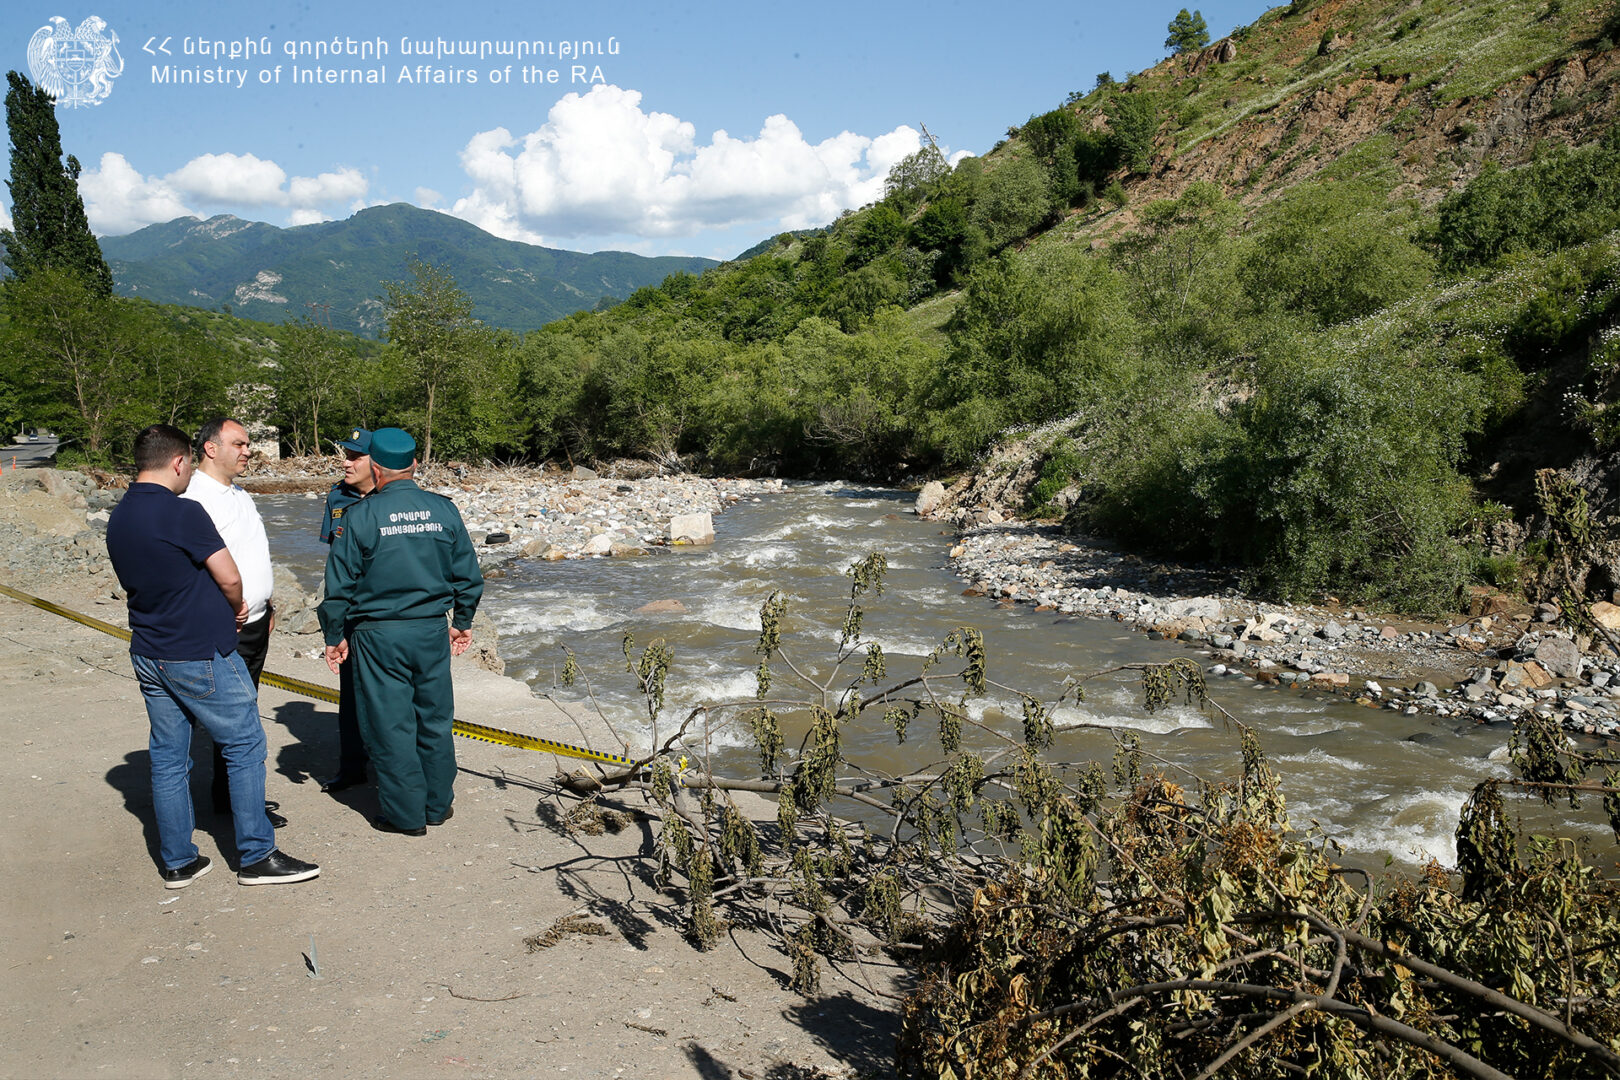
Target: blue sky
x,y
692,129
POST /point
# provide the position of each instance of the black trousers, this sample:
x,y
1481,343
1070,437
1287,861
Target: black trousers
x,y
252,643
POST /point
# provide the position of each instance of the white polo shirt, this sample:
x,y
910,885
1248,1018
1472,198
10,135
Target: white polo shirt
x,y
240,526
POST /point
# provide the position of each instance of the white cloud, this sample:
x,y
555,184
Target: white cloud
x,y
600,166
343,185
426,197
5,218
231,178
118,199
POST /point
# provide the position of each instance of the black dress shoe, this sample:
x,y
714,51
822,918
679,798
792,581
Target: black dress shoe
x,y
277,821
341,783
382,824
449,813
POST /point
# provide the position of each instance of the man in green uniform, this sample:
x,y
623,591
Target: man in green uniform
x,y
403,562
355,485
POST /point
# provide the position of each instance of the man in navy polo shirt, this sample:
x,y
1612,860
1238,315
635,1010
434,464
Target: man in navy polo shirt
x,y
185,604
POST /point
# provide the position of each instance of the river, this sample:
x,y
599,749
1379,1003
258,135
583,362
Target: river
x,y
1379,783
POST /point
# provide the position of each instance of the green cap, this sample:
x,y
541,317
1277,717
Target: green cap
x,y
392,448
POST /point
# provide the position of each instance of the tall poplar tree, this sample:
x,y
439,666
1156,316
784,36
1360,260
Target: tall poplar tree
x,y
49,227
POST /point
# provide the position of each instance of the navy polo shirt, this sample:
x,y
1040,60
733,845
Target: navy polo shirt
x,y
159,544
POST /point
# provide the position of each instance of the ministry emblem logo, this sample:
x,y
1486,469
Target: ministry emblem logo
x,y
76,67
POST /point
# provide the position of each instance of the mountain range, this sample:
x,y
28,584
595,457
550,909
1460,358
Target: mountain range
x,y
334,271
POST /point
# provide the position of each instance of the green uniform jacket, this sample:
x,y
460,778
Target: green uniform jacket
x,y
403,554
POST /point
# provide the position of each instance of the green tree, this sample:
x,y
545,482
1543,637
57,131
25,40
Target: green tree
x,y
911,177
312,373
81,357
879,229
1033,337
430,322
1134,120
49,228
1187,32
1181,263
1015,199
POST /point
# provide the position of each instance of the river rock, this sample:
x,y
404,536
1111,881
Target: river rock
x,y
1528,675
626,551
485,648
582,473
662,607
1606,615
691,529
928,500
295,608
600,544
1194,607
1559,656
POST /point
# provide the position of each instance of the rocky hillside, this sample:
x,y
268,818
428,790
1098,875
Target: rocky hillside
x,y
1428,93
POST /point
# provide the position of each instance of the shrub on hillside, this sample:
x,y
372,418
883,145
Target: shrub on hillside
x,y
1336,251
1563,199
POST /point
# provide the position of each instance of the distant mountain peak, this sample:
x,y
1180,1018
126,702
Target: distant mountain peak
x,y
334,271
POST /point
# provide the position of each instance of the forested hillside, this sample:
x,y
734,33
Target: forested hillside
x,y
334,270
1279,301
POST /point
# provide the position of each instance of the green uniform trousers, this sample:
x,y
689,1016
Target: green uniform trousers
x,y
406,706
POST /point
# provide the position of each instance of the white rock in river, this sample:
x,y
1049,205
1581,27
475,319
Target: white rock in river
x,y
691,529
928,500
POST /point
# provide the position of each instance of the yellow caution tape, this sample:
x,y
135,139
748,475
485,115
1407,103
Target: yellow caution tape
x,y
325,693
531,742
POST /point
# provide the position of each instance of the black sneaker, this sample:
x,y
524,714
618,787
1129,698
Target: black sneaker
x,y
277,868
382,824
185,875
342,782
449,813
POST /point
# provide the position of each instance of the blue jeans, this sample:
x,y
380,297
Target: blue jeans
x,y
218,694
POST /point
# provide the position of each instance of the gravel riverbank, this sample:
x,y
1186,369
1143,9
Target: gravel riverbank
x,y
1494,666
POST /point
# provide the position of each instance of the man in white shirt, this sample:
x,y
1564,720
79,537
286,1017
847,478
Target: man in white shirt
x,y
223,449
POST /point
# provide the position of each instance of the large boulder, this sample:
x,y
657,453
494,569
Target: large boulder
x,y
691,529
1606,615
1559,655
1194,607
1524,676
930,498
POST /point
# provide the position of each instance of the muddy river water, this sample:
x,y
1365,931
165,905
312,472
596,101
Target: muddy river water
x,y
1378,782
